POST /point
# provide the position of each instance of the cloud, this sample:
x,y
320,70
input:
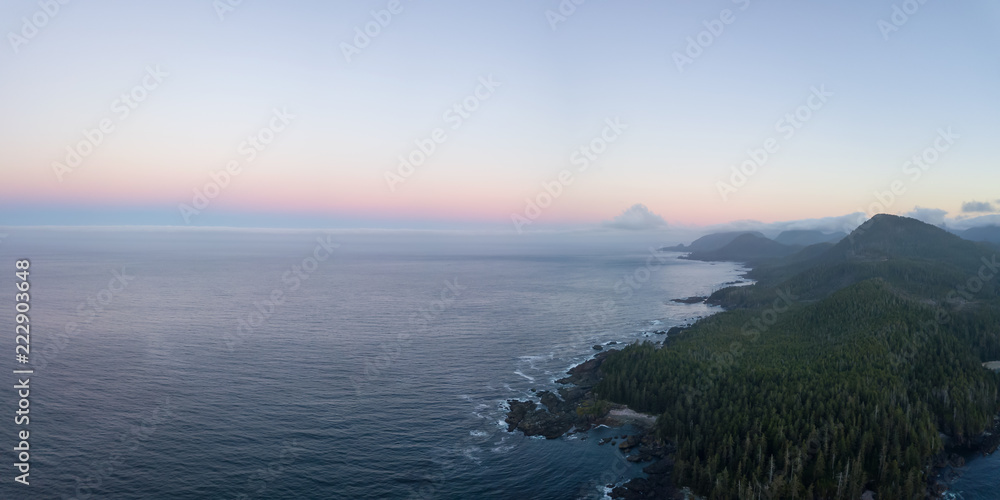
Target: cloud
x,y
978,206
933,216
982,220
842,223
635,218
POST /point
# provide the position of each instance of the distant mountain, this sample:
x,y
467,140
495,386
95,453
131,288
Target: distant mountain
x,y
984,233
806,237
915,257
704,248
746,247
711,242
891,236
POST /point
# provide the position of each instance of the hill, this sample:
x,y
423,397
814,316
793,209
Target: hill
x,y
746,248
918,258
989,234
838,371
804,238
711,242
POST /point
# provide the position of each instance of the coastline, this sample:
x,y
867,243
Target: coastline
x,y
576,410
945,463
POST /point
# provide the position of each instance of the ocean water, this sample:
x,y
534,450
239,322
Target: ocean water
x,y
235,364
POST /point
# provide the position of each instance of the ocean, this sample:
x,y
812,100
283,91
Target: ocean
x,y
228,364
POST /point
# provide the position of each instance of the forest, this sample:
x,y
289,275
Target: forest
x,y
853,381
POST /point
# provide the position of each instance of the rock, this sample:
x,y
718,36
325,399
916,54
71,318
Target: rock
x,y
675,330
556,418
690,300
598,347
586,374
574,395
543,423
939,489
629,443
638,486
659,467
552,402
656,486
518,410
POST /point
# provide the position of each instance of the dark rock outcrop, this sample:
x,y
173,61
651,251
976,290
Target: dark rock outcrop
x,y
690,300
559,414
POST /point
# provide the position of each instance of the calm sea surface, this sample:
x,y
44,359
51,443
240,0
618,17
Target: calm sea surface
x,y
229,364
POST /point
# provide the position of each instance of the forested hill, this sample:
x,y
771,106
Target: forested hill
x,y
837,372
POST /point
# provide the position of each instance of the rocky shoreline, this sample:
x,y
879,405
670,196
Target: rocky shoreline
x,y
944,463
575,408
695,299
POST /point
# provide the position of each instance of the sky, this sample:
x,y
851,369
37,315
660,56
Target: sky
x,y
522,115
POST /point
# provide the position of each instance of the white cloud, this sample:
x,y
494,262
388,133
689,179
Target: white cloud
x,y
637,217
983,220
934,216
978,206
842,223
